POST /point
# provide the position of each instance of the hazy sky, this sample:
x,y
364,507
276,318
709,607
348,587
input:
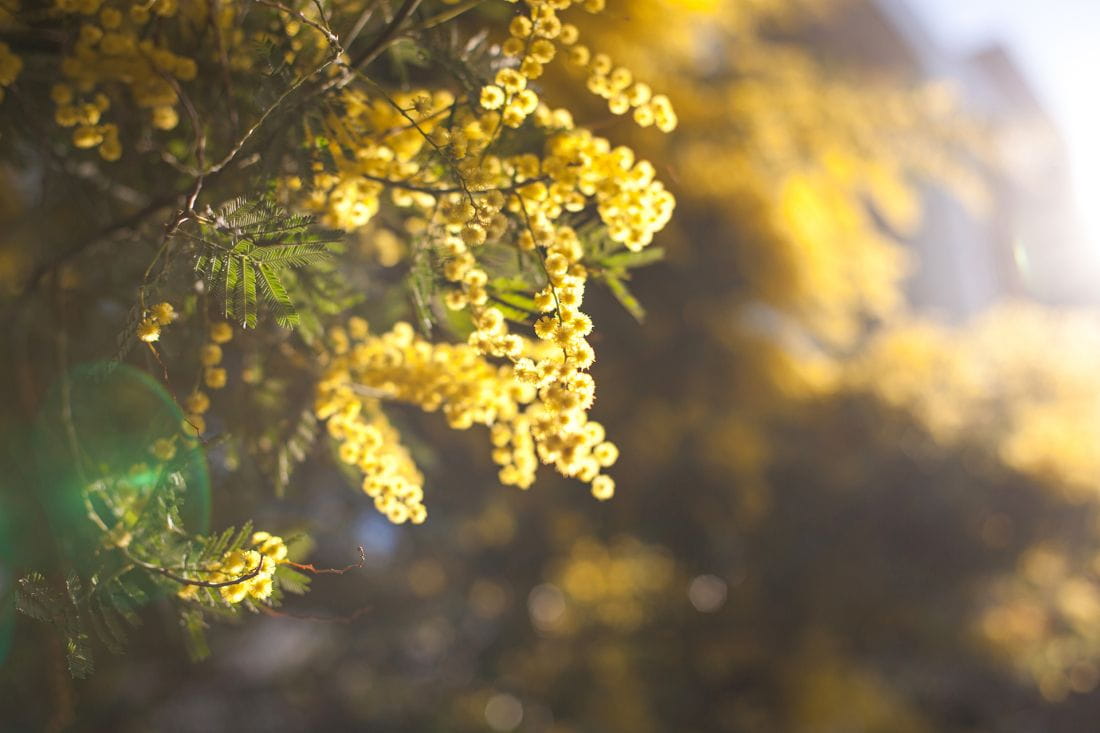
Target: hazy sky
x,y
1058,44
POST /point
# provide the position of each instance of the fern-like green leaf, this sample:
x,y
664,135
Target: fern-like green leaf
x,y
248,293
247,247
286,315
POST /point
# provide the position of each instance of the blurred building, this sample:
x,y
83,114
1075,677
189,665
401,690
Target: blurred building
x,y
1029,243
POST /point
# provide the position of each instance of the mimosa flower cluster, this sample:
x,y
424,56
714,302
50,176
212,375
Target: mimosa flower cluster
x,y
161,314
487,182
241,146
366,438
533,417
266,553
432,159
117,44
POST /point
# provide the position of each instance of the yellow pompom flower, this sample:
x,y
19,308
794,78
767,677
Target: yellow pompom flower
x,y
193,425
510,80
221,332
148,330
210,355
520,27
163,449
197,402
165,117
163,313
87,136
492,97
603,487
214,377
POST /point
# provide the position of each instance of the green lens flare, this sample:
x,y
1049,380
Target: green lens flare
x,y
107,436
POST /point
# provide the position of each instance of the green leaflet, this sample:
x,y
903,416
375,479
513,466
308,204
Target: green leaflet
x,y
247,250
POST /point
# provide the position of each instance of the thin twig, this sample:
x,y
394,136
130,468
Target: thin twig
x,y
427,138
360,24
371,52
393,183
446,15
243,140
322,28
201,583
331,571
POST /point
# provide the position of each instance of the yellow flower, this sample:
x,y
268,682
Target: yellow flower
x,y
520,27
606,454
270,546
163,313
197,402
260,588
193,425
87,136
148,330
492,97
210,355
221,332
214,377
110,149
165,117
511,80
542,51
164,449
235,593
603,487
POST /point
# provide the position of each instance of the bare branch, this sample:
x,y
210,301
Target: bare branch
x,y
201,583
331,571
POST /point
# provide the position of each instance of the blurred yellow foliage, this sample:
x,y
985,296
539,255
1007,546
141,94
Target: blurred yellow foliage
x,y
1020,381
613,585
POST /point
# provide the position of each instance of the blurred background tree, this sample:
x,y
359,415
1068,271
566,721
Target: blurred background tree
x,y
858,424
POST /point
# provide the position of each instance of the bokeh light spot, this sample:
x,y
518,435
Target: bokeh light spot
x,y
546,604
503,712
707,593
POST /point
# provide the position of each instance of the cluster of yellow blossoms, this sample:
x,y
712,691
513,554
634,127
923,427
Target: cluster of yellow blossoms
x,y
434,154
433,157
532,416
114,45
159,315
372,143
1035,410
378,141
367,440
534,39
214,377
267,553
